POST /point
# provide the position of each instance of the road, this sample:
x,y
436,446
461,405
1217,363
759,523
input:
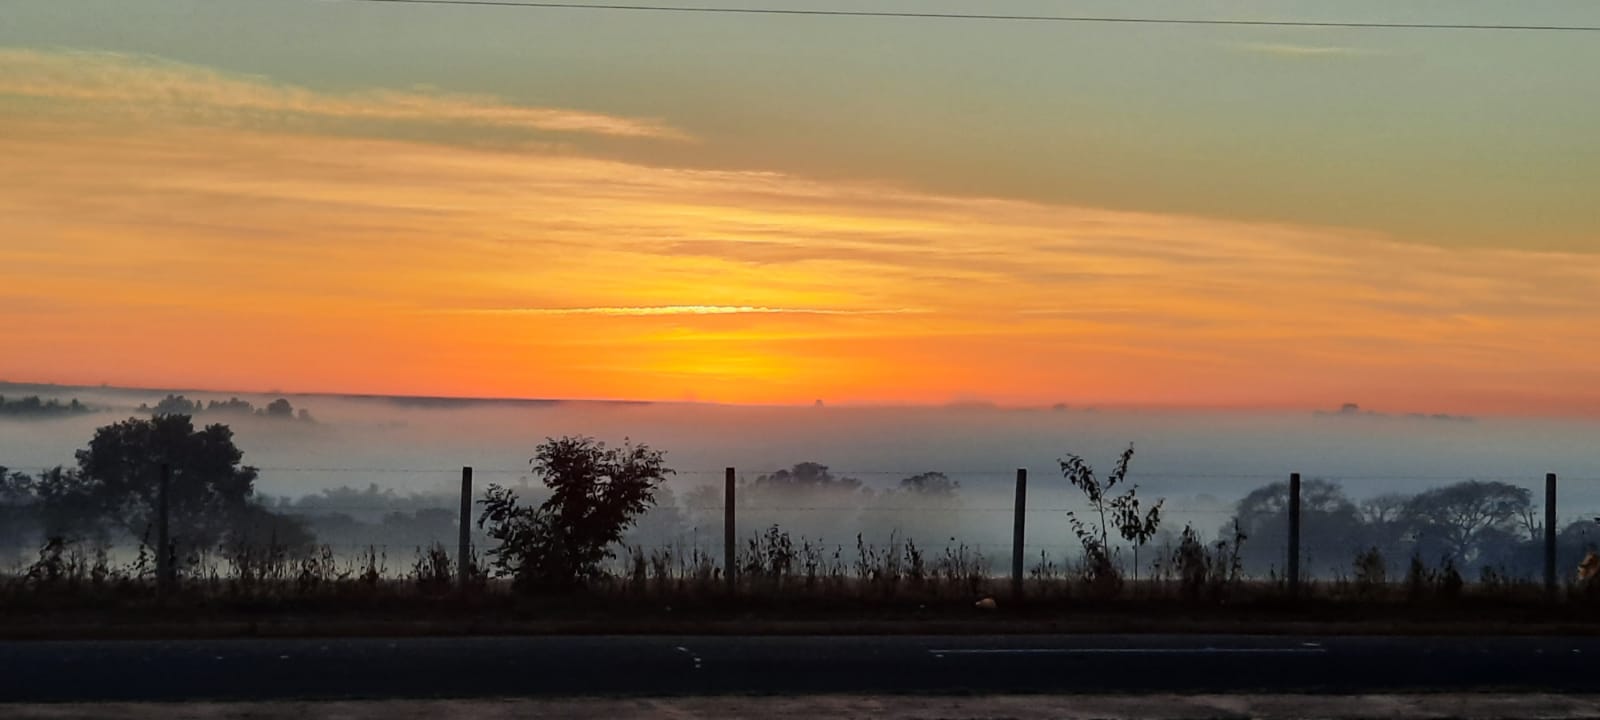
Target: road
x,y
314,669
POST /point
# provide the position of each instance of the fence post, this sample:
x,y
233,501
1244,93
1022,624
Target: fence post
x,y
1018,533
464,556
1294,535
729,561
163,551
1550,534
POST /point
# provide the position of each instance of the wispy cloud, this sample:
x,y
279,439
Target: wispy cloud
x,y
1305,51
396,264
145,85
687,310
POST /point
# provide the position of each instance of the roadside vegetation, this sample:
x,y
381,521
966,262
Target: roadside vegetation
x,y
571,547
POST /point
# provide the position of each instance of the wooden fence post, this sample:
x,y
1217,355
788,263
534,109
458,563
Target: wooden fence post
x,y
464,541
1019,533
1294,535
729,559
1550,534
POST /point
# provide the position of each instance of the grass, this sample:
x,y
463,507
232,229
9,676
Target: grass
x,y
783,586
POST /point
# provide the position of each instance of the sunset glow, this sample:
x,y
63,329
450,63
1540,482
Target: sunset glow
x,y
173,224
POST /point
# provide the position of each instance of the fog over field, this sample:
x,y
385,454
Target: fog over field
x,y
1200,462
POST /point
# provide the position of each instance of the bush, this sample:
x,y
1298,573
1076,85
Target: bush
x,y
597,494
1133,523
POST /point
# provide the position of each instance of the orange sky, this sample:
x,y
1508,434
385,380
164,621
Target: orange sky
x,y
169,225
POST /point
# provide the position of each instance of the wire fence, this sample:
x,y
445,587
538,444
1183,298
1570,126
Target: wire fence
x,y
1480,524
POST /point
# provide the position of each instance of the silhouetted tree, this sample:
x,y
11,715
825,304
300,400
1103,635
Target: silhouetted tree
x,y
804,480
1134,524
1331,530
1387,530
808,499
1467,521
258,526
930,485
119,475
173,405
232,405
35,407
596,495
17,512
279,409
66,507
923,507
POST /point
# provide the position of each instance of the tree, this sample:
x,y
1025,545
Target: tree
x,y
597,493
1385,509
922,508
279,409
174,405
16,509
1469,519
1330,527
808,499
931,485
258,527
805,480
1387,531
232,405
119,477
1133,525
33,407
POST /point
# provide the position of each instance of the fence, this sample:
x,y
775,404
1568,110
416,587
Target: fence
x,y
736,518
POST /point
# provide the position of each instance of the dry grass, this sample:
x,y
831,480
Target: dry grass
x,y
783,585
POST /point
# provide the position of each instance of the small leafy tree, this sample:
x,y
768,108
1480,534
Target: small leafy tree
x,y
1133,523
596,495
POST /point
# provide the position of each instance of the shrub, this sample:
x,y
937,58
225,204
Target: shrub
x,y
597,494
1134,525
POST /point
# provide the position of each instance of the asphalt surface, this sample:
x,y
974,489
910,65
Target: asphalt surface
x,y
326,669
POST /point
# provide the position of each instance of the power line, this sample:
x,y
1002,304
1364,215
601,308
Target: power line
x,y
921,15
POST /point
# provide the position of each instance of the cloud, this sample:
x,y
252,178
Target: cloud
x,y
380,265
688,310
1352,410
147,86
1306,51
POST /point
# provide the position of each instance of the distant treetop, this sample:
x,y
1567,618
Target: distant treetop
x,y
279,409
33,406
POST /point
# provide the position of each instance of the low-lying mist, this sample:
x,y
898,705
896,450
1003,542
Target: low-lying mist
x,y
370,457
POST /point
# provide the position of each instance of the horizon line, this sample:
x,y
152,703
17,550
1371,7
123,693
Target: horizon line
x,y
820,404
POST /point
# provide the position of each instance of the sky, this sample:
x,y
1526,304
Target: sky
x,y
325,196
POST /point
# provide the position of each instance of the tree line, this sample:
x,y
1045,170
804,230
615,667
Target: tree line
x,y
1477,527
280,409
33,406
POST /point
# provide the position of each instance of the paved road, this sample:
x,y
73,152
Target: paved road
x,y
248,669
